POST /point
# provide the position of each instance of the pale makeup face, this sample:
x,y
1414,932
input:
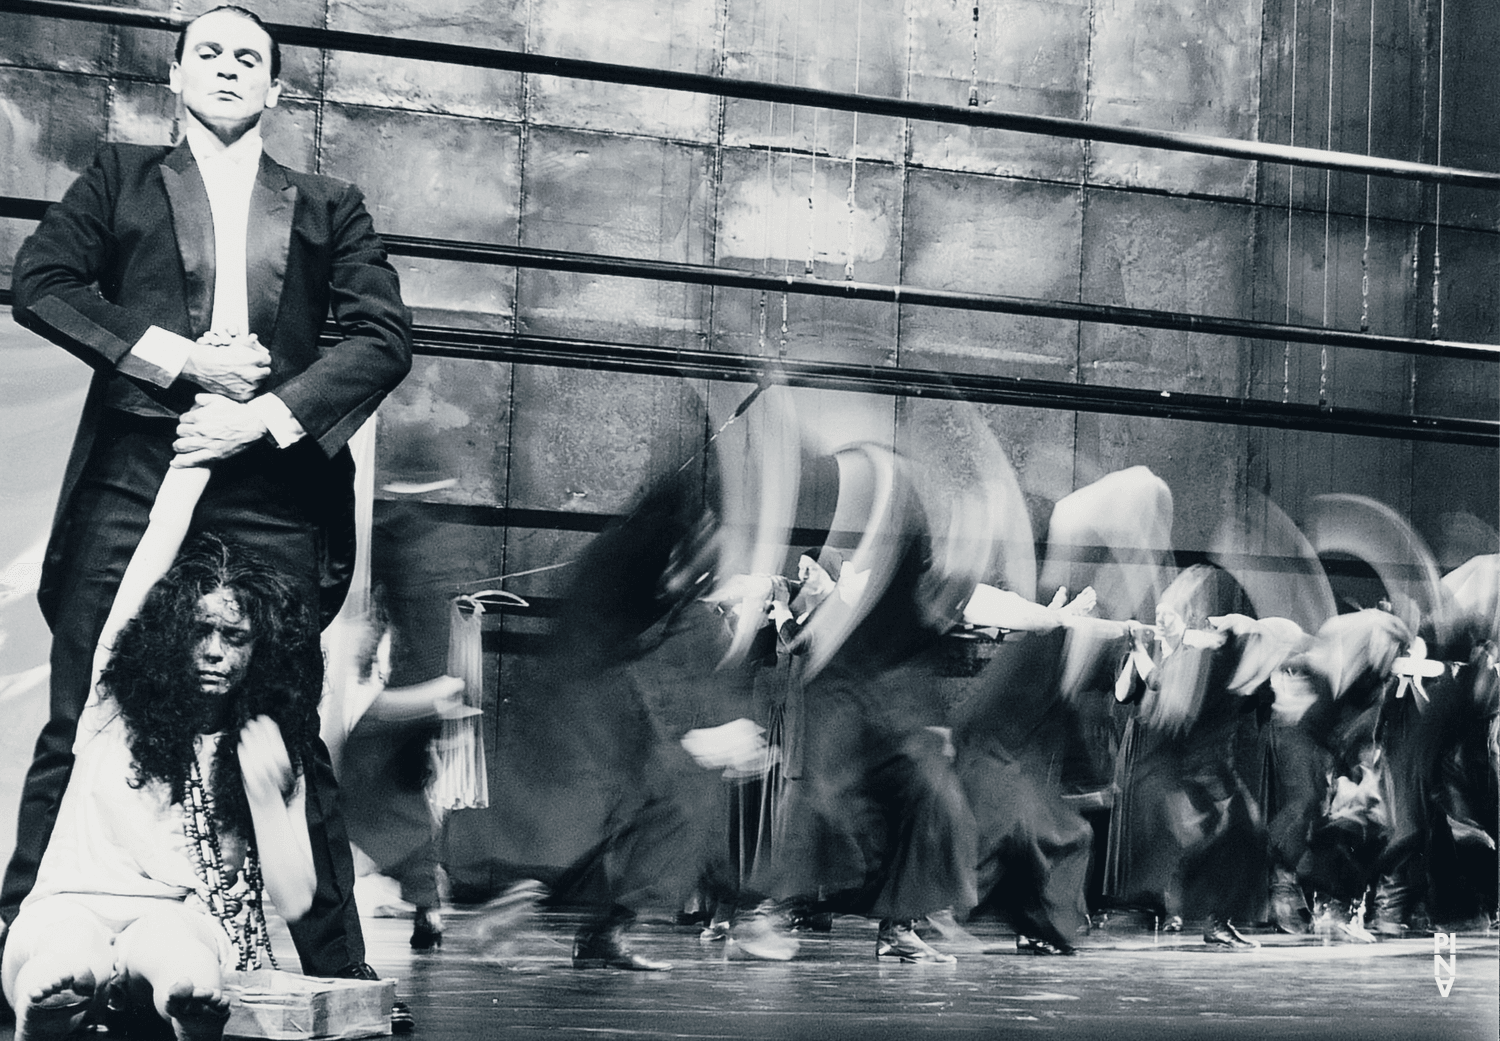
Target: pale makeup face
x,y
223,643
815,581
1171,624
225,74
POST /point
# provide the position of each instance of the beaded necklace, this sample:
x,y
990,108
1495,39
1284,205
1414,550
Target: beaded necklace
x,y
243,918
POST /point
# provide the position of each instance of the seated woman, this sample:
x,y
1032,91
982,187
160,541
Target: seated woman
x,y
185,806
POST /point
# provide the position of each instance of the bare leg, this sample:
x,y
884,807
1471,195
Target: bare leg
x,y
171,958
57,954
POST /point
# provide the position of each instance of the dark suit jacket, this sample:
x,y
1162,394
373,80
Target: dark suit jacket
x,y
131,245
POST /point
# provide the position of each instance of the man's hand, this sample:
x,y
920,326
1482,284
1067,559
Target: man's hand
x,y
232,366
264,763
215,428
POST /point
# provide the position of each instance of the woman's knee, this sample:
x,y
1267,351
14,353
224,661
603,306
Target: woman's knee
x,y
176,941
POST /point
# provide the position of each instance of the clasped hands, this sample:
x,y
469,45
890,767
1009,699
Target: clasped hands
x,y
220,424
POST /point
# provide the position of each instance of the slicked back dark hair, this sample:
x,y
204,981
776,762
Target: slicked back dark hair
x,y
243,13
152,678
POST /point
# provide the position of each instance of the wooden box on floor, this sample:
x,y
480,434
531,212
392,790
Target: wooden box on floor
x,y
284,1006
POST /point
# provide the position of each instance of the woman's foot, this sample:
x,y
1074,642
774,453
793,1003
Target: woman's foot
x,y
426,929
56,1007
197,1014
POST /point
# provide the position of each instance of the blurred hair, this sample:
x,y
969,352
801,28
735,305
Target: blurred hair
x,y
243,13
152,677
1201,592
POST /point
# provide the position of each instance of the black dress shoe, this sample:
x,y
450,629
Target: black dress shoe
x,y
357,971
607,948
1220,933
426,930
811,922
1037,945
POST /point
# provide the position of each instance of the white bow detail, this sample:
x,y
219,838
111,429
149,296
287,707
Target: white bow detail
x,y
1415,667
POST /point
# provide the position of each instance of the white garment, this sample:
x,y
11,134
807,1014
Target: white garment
x,y
118,842
228,173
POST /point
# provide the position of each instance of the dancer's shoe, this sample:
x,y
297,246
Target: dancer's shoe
x,y
1220,932
499,925
608,948
897,939
1037,945
757,935
1336,920
426,929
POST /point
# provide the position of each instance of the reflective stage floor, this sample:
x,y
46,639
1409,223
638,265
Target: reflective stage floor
x,y
1127,983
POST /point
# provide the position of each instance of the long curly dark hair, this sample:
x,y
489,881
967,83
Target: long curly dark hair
x,y
152,678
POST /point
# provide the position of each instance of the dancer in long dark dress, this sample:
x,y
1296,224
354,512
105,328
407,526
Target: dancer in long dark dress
x,y
634,671
1012,739
1335,692
877,814
1183,778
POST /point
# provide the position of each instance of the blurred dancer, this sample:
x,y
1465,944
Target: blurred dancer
x,y
1014,737
1336,692
387,761
386,767
1439,784
877,813
635,712
1182,776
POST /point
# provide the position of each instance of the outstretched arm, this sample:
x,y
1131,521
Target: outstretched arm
x,y
278,809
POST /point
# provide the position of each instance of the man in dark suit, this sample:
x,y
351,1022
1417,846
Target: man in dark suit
x,y
196,281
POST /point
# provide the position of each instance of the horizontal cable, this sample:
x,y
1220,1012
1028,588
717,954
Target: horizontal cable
x,y
807,285
755,90
484,345
23,209
950,386
733,278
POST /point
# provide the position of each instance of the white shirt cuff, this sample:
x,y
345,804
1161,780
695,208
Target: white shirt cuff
x,y
284,428
157,357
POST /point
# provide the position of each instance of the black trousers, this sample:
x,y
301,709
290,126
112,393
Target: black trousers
x,y
291,507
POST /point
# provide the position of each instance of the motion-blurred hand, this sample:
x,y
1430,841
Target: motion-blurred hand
x,y
264,763
738,747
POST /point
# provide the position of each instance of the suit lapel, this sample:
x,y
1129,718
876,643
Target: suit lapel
x,y
193,224
268,238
